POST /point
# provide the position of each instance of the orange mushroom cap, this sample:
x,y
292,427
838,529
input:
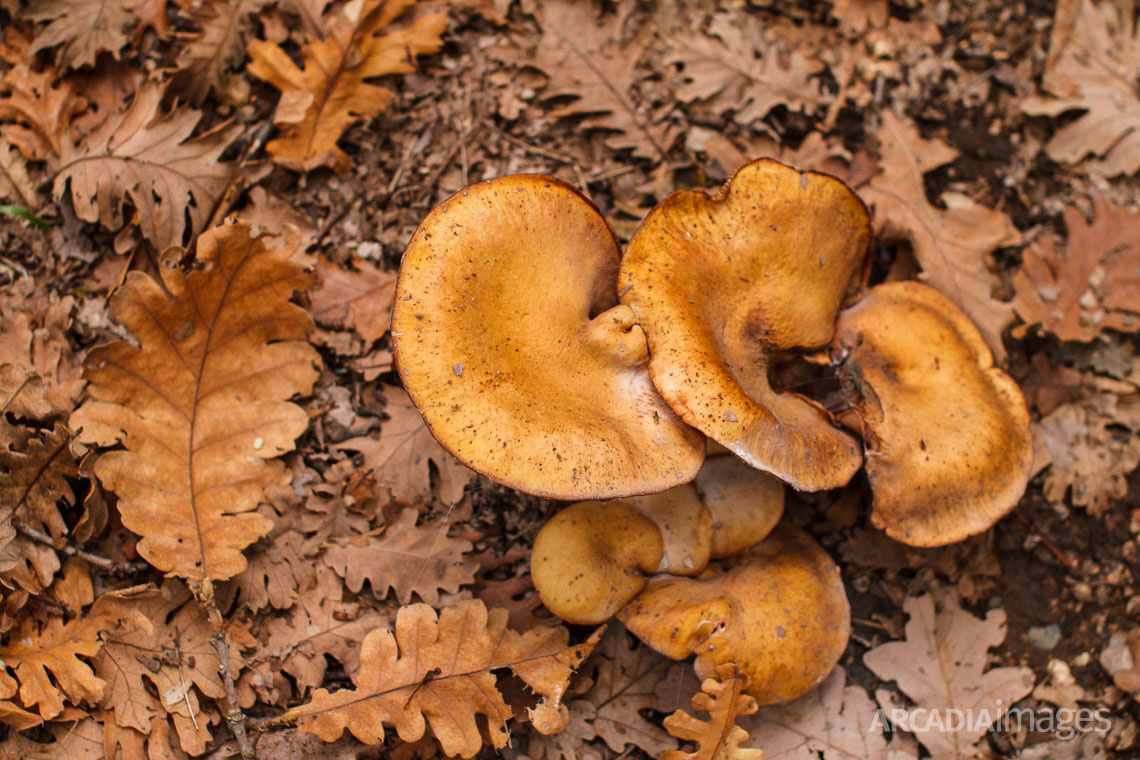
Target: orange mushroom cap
x,y
686,528
723,282
779,612
949,450
745,504
591,558
510,341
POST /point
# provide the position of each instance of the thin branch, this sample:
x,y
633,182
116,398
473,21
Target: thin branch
x,y
43,538
204,593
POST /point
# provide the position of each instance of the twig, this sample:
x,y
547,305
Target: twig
x,y
1066,560
204,593
527,146
67,549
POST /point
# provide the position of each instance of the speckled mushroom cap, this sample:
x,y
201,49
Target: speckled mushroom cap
x,y
779,612
510,341
593,557
949,450
686,528
722,282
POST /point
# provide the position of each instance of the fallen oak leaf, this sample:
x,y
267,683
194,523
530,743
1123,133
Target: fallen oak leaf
x,y
204,61
440,671
320,101
82,29
174,181
201,404
718,738
361,300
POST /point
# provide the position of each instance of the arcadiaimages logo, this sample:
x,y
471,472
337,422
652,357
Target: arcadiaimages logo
x,y
1064,723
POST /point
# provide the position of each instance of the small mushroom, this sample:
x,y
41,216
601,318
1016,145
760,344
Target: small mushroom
x,y
745,504
779,612
513,281
949,450
723,283
686,528
591,558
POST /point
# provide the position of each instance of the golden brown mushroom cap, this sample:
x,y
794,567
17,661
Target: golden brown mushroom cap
x,y
745,504
591,558
780,613
722,282
686,528
947,434
509,339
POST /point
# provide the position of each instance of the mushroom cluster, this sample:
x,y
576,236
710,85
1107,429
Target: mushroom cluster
x,y
545,359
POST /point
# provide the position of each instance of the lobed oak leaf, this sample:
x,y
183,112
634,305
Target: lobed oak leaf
x,y
952,244
590,60
34,333
718,738
40,110
942,666
276,573
834,719
439,672
82,29
857,16
34,479
201,403
21,395
360,300
740,66
205,60
1094,56
332,92
408,558
399,457
1092,285
81,740
46,658
173,180
16,186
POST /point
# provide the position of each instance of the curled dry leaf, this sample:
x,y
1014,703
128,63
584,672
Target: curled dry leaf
x,y
942,666
1091,285
440,670
1093,57
82,28
718,738
34,479
952,244
360,300
200,404
173,180
323,99
204,61
40,108
34,333
409,558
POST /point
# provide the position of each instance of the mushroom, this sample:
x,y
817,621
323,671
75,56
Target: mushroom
x,y
686,528
723,283
949,450
509,339
779,612
745,504
591,558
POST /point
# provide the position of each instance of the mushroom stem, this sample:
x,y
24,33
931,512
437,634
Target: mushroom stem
x,y
616,334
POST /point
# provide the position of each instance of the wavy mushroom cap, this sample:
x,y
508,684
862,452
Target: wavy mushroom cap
x,y
686,528
509,340
593,557
723,282
949,450
780,613
745,504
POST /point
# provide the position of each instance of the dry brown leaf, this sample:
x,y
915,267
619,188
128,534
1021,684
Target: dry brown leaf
x,y
1091,285
590,59
833,719
173,180
1093,59
942,666
408,558
399,457
16,186
1090,445
360,300
742,66
21,395
718,738
201,404
32,480
40,110
162,670
277,572
34,333
952,244
46,658
204,61
624,679
857,15
82,29
440,670
320,101
82,740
